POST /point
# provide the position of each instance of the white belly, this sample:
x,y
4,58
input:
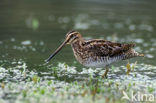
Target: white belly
x,y
102,62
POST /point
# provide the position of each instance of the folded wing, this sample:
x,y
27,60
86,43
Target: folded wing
x,y
107,48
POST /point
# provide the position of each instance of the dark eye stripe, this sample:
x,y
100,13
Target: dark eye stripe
x,y
72,34
74,39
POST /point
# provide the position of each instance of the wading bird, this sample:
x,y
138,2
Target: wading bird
x,y
96,53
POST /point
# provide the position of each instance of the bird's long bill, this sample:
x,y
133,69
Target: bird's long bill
x,y
56,51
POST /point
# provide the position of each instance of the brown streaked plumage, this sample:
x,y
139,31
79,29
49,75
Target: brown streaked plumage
x,y
96,52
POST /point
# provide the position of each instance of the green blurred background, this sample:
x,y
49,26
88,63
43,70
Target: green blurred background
x,y
32,29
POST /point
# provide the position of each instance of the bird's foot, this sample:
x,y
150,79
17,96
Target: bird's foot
x,y
105,74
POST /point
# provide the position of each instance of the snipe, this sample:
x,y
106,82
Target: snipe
x,y
97,52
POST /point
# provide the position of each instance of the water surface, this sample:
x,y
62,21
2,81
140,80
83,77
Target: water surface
x,y
31,30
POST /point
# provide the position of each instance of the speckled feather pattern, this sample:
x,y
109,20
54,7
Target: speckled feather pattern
x,y
100,53
96,52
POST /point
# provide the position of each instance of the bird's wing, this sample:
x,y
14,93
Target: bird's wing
x,y
106,48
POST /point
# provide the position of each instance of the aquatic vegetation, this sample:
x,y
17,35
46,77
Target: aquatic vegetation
x,y
65,84
30,31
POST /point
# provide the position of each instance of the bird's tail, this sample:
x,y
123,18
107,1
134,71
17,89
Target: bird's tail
x,y
141,55
132,53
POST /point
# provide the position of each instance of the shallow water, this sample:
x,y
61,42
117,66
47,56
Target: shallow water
x,y
44,26
30,31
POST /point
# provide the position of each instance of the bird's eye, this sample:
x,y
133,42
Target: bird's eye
x,y
71,36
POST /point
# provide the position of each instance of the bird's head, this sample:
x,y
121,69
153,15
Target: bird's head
x,y
71,37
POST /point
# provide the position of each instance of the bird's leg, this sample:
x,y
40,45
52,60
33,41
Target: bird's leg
x,y
105,74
